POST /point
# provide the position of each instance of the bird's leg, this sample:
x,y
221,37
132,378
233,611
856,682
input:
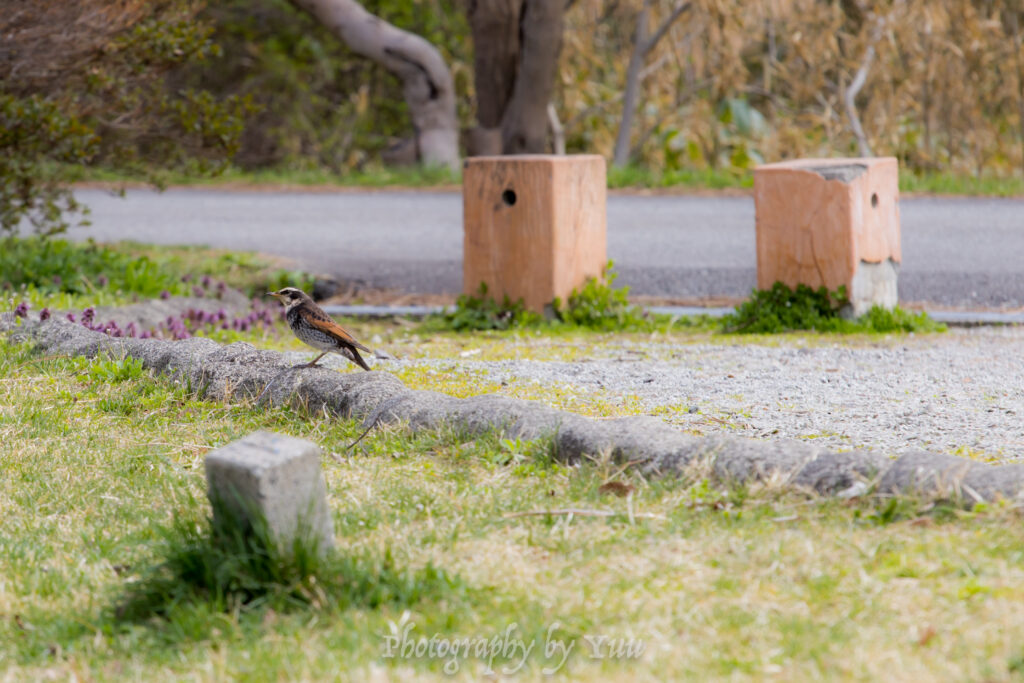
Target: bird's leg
x,y
312,362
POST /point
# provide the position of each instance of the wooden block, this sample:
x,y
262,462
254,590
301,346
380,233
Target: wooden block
x,y
534,225
830,222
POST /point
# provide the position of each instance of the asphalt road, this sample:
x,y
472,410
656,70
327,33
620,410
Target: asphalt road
x,y
958,252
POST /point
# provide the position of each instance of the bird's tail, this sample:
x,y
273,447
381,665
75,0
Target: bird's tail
x,y
359,359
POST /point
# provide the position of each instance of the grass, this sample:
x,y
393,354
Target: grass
x,y
372,177
103,521
63,275
630,177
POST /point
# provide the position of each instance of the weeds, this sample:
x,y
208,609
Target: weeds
x,y
781,309
483,312
598,305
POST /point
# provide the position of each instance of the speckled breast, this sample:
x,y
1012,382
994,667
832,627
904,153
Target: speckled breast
x,y
309,334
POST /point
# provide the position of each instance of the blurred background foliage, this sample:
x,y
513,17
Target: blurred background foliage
x,y
177,84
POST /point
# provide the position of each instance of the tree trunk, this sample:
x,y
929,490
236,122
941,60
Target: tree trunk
x,y
524,125
629,97
427,83
495,26
516,43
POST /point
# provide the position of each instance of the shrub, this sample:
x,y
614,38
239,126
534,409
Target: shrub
x,y
781,309
482,312
599,306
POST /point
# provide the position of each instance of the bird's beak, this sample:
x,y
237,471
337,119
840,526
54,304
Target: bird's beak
x,y
273,294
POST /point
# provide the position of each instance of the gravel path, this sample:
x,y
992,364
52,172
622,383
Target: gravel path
x,y
959,393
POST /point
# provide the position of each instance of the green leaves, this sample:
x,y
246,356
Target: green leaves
x,y
595,306
482,312
599,306
34,133
781,309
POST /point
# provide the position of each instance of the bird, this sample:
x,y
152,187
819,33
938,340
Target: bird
x,y
314,327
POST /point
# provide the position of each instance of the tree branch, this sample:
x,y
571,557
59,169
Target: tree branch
x,y
861,77
427,82
665,26
642,46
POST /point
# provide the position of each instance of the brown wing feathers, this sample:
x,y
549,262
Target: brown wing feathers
x,y
320,321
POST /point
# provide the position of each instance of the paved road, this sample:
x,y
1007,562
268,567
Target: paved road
x,y
962,252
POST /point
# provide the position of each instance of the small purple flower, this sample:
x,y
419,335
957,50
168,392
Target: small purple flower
x,y
206,281
146,334
186,277
165,295
70,317
44,314
21,310
198,291
88,314
57,280
130,329
221,287
102,281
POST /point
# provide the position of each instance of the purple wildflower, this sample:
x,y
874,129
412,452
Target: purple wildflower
x,y
165,295
88,314
21,310
57,280
198,291
186,277
44,314
102,280
206,281
70,317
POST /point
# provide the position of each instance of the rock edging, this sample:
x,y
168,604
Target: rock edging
x,y
221,372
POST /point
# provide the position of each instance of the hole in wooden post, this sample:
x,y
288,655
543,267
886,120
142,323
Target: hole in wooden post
x,y
874,200
509,197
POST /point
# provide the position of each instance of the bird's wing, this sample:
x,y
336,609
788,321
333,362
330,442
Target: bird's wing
x,y
322,322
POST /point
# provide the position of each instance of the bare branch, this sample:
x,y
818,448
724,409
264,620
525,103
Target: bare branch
x,y
850,95
642,46
665,26
427,83
557,131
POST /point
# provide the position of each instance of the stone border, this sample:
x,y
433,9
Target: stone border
x,y
240,370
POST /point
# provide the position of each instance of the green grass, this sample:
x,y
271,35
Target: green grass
x,y
629,177
372,176
633,177
65,275
113,571
968,185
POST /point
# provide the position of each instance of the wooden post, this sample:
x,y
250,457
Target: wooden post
x,y
830,222
534,225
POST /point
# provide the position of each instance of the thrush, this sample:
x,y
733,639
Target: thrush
x,y
314,327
